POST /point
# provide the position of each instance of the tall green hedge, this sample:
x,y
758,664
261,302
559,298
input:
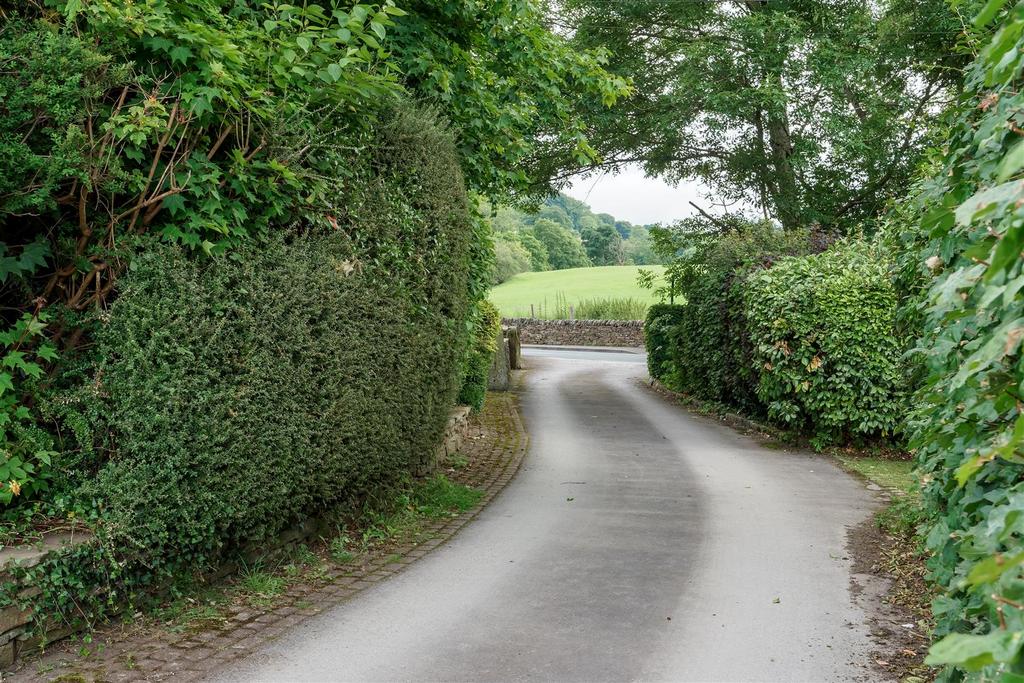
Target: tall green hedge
x,y
968,427
660,323
711,350
480,355
243,392
825,346
809,341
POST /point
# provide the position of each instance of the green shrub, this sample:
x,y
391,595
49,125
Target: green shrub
x,y
28,452
711,349
246,393
825,347
968,424
486,327
661,320
236,394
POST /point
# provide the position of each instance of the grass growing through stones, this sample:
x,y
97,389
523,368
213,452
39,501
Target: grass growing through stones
x,y
401,516
339,549
438,497
457,461
394,518
261,587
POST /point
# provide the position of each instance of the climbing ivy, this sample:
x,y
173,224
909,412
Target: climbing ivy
x,y
969,427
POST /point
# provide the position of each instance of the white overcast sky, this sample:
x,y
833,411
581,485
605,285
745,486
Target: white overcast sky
x,y
632,197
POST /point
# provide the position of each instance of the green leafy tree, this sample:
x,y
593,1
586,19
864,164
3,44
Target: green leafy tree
x,y
564,248
638,248
538,252
519,95
602,243
510,258
813,111
574,209
555,214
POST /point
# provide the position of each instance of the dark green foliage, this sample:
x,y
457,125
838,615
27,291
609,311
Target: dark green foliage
x,y
520,95
247,392
564,247
660,323
824,343
486,328
510,258
234,395
811,342
538,252
814,111
603,244
712,350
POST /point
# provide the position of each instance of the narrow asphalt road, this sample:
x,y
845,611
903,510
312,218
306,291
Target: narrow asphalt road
x,y
638,542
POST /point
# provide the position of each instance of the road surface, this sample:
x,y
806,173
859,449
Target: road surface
x,y
638,542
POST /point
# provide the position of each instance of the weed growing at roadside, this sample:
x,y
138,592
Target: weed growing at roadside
x,y
439,497
339,549
901,517
458,461
402,516
261,587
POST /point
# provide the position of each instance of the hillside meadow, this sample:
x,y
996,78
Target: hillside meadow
x,y
552,292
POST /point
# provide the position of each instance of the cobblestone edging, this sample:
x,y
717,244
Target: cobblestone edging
x,y
494,448
579,332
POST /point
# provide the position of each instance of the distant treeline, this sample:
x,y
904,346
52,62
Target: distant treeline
x,y
564,233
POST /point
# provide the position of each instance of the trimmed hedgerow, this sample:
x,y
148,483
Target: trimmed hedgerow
x,y
711,351
661,320
248,392
486,328
235,395
808,341
825,348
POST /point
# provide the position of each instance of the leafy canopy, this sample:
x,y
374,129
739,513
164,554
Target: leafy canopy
x,y
811,111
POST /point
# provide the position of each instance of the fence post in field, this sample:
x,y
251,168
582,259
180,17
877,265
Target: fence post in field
x,y
572,312
531,310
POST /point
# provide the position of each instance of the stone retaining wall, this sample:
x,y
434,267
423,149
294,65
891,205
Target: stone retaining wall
x,y
579,332
16,618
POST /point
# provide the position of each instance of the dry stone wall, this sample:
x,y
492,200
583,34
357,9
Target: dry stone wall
x,y
579,332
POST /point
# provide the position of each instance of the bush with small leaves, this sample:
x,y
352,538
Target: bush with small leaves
x,y
486,328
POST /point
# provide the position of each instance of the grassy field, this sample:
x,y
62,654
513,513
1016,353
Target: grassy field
x,y
546,290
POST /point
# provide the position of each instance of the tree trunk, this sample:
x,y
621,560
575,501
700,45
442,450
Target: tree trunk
x,y
787,199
